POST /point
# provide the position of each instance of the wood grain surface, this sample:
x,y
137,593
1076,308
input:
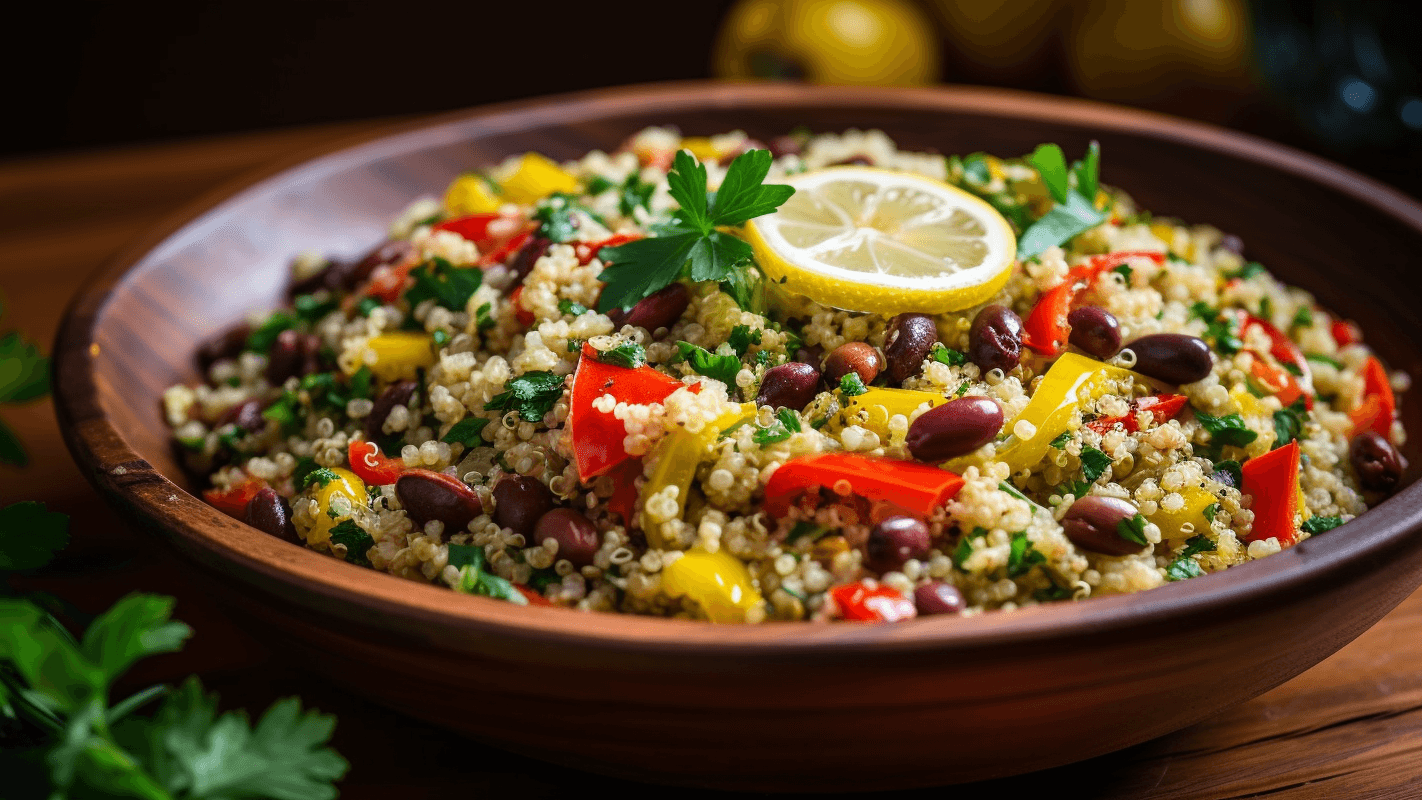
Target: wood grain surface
x,y
1350,727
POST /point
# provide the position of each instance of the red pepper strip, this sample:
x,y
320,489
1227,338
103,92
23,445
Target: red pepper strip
x,y
1162,407
388,282
233,501
624,497
1273,480
534,598
597,435
1046,328
370,466
917,488
510,248
1345,333
523,315
587,251
1281,347
474,227
1379,406
859,603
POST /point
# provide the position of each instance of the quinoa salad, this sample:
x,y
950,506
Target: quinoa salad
x,y
633,382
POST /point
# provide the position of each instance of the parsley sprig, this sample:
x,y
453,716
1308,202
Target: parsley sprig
x,y
1075,211
691,244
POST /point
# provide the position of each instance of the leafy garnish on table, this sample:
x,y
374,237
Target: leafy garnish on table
x,y
691,244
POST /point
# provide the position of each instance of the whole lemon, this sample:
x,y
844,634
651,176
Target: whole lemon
x,y
884,43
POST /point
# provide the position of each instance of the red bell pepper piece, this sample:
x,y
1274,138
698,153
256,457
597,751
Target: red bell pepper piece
x,y
474,227
523,315
1162,407
1273,481
1291,382
587,251
1379,406
1345,332
1046,328
624,498
533,598
597,435
371,466
233,500
914,487
859,603
503,253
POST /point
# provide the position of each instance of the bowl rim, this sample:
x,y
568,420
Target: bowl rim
x,y
398,605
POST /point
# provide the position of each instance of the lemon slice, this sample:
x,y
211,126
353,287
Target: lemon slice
x,y
867,239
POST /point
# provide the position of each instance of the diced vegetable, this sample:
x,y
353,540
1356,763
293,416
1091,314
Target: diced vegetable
x,y
1046,327
681,453
917,488
597,435
718,582
399,354
471,194
859,603
334,503
474,227
233,500
1162,407
1172,523
881,405
535,177
1273,481
1379,405
371,466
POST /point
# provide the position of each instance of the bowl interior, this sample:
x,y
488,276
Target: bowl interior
x,y
1342,237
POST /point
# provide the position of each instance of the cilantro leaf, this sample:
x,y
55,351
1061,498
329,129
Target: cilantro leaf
x,y
1228,429
1093,463
531,394
1022,556
705,362
446,284
1321,524
949,356
356,540
467,431
1133,529
30,535
1289,423
24,373
851,385
628,354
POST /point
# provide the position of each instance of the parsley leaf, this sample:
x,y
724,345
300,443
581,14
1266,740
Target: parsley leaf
x,y
1227,430
949,356
265,335
483,319
786,423
1289,423
1303,318
469,559
633,193
446,284
705,362
11,450
531,394
964,549
805,528
367,305
1051,165
30,535
1184,567
1093,463
468,432
1075,210
976,169
319,476
1061,441
628,354
851,385
742,337
1249,270
556,215
1210,511
356,540
1133,529
691,243
1321,524
312,308
1320,358
566,306
1222,330
1022,556
1125,272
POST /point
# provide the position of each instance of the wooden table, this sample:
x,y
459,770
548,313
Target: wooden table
x,y
1349,727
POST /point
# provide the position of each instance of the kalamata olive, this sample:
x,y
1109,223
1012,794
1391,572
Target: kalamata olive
x,y
1232,243
908,342
1092,524
524,260
228,344
953,429
1377,463
657,310
576,537
268,512
396,394
937,597
520,501
895,540
1095,331
1172,357
857,357
812,354
247,415
791,385
428,495
786,146
995,339
285,358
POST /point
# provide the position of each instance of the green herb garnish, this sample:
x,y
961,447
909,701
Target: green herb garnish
x,y
1023,556
723,368
446,284
1289,423
1133,529
1226,430
851,385
555,214
628,354
262,339
949,356
356,540
1321,524
469,559
1320,358
786,423
571,308
1093,463
743,336
531,394
467,431
483,319
1075,211
1060,442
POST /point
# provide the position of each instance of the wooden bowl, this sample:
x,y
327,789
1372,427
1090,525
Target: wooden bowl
x,y
781,706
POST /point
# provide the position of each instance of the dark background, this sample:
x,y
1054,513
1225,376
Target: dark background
x,y
85,75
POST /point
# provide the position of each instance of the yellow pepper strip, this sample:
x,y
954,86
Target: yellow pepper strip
x,y
718,582
1171,522
345,485
536,177
701,147
471,194
681,453
1051,409
881,405
398,354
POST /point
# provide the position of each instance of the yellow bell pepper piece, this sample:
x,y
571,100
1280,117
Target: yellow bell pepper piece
x,y
471,194
718,582
1171,522
1072,377
681,453
345,485
701,147
398,354
881,405
536,177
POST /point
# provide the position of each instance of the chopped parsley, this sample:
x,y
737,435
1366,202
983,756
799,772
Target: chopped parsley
x,y
446,284
1289,423
356,540
367,305
1125,272
1221,330
949,356
469,560
1184,566
743,336
851,386
964,549
1093,463
1075,210
467,431
1023,556
1249,270
1133,529
319,476
286,411
571,308
1210,511
628,354
361,382
691,243
531,394
786,423
975,168
1061,441
440,337
1303,318
1226,430
483,319
312,308
262,339
704,362
1321,524
1320,358
556,217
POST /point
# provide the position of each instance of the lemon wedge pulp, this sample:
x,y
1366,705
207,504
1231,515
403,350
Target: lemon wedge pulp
x,y
866,239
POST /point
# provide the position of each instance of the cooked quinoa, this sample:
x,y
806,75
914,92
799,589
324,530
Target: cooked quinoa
x,y
428,410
